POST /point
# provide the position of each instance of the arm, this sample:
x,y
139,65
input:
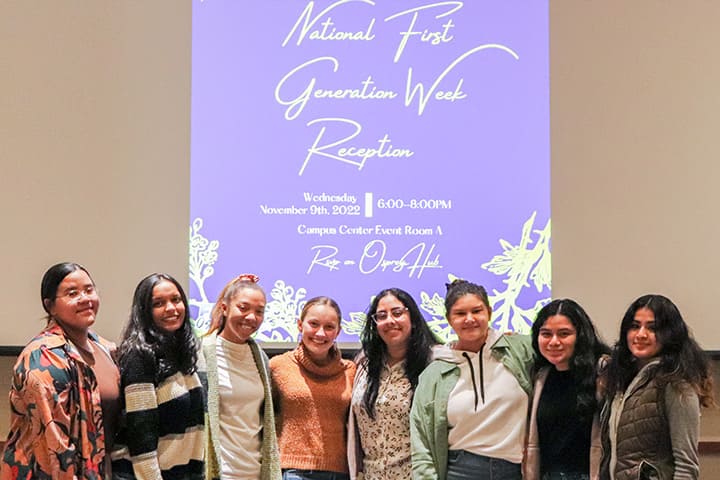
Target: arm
x,y
39,396
682,408
142,416
275,394
422,432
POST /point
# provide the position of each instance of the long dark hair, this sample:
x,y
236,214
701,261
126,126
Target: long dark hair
x,y
171,352
681,358
587,351
374,350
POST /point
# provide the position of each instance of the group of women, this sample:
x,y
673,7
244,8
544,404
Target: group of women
x,y
558,404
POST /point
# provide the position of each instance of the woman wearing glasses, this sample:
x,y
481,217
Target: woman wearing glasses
x,y
396,347
312,386
470,408
65,389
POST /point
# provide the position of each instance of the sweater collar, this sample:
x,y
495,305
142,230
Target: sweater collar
x,y
334,367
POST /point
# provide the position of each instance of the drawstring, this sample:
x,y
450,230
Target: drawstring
x,y
472,376
482,376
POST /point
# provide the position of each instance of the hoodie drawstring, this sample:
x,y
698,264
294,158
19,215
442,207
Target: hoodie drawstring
x,y
472,376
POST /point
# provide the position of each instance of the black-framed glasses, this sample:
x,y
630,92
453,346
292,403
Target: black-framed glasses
x,y
384,315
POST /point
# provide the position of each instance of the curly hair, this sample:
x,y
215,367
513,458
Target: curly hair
x,y
374,352
681,358
588,349
172,352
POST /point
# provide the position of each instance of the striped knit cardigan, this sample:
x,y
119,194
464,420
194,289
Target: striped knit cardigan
x,y
270,458
164,432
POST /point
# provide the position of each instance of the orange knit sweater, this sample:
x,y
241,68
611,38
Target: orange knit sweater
x,y
313,403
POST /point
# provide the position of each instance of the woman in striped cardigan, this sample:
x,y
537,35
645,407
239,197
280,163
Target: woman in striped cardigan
x,y
163,436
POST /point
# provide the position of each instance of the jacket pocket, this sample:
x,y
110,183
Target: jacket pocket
x,y
648,472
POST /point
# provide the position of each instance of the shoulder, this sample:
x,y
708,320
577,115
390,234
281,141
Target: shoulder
x,y
680,392
45,352
50,338
436,380
208,340
349,366
282,360
42,370
108,345
512,340
515,346
255,346
436,369
542,375
138,366
259,354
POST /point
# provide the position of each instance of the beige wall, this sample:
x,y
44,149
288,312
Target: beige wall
x,y
635,147
94,149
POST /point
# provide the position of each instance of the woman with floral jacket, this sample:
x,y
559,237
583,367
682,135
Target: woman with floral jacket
x,y
65,388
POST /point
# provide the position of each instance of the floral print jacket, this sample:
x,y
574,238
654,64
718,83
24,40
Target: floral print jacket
x,y
56,429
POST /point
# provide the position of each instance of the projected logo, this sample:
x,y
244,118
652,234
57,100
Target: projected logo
x,y
343,147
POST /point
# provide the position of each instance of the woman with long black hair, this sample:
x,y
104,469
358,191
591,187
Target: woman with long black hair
x,y
164,397
564,429
658,379
396,348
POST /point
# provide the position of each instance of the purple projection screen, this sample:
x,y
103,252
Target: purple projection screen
x,y
339,148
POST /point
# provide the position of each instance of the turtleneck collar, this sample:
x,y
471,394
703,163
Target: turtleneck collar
x,y
334,367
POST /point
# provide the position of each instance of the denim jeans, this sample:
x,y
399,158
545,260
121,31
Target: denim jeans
x,y
565,476
296,474
464,465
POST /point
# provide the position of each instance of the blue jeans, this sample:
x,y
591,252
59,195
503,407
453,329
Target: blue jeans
x,y
565,476
296,474
464,465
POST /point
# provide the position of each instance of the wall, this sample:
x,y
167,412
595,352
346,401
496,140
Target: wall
x,y
94,149
634,104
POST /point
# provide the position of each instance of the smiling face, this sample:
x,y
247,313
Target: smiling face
x,y
319,326
243,314
641,338
168,309
76,304
394,329
469,317
556,341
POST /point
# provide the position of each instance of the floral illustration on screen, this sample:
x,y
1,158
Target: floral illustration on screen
x,y
203,255
524,265
281,314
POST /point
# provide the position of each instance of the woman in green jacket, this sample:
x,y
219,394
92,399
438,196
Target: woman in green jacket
x,y
469,412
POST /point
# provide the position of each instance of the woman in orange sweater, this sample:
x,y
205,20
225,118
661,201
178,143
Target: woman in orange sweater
x,y
312,386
